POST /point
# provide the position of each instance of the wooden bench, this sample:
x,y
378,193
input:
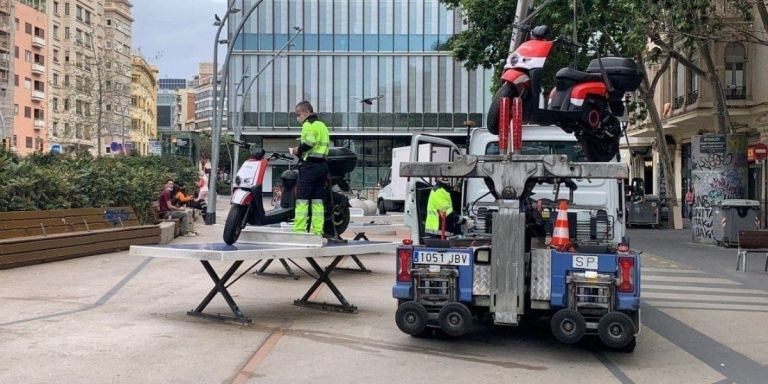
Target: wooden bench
x,y
751,242
30,237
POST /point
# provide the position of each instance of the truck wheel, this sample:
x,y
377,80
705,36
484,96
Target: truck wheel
x,y
382,210
568,326
411,318
455,319
616,330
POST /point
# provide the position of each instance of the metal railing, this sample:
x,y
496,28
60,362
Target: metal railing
x,y
733,92
679,100
692,97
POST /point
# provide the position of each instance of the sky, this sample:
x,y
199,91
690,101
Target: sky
x,y
176,35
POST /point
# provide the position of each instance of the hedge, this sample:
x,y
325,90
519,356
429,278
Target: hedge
x,y
48,181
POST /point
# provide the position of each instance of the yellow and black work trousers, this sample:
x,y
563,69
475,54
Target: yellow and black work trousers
x,y
310,194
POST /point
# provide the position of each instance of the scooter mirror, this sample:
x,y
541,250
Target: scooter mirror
x,y
540,32
257,153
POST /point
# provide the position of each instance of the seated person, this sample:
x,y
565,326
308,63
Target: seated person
x,y
182,199
440,207
166,208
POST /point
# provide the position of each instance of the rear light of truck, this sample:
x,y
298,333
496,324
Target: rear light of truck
x,y
404,264
626,274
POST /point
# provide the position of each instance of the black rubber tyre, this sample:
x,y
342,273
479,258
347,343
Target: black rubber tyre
x,y
411,317
616,330
568,326
337,217
455,319
382,209
492,121
235,223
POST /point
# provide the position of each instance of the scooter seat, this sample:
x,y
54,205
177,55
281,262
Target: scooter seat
x,y
577,76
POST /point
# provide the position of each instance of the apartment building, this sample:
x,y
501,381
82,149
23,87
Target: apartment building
x,y
687,105
143,104
203,85
29,78
7,29
117,49
90,73
187,114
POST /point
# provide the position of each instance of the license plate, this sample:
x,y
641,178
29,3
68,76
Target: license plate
x,y
584,261
440,258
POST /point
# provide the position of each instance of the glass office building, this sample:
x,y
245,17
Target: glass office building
x,y
390,53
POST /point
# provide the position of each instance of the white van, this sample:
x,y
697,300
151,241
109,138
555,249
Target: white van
x,y
596,198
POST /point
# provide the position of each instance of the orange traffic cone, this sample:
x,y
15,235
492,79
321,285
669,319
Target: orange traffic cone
x,y
560,238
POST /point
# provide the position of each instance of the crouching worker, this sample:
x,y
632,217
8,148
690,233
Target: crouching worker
x,y
440,208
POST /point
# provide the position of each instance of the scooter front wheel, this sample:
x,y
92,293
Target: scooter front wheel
x,y
235,223
492,121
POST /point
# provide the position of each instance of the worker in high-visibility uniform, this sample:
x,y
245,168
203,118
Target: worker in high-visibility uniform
x,y
313,171
440,206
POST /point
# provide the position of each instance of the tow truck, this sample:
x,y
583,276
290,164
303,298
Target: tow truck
x,y
506,269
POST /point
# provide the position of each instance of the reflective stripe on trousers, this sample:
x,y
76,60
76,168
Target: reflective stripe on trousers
x,y
300,216
318,216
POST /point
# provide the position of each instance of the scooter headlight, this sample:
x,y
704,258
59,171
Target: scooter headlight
x,y
237,180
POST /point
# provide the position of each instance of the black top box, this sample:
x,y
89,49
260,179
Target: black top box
x,y
623,73
341,160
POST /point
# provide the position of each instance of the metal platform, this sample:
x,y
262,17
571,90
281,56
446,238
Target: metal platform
x,y
239,253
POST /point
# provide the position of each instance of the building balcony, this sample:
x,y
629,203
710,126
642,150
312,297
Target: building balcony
x,y
38,42
39,124
38,69
38,95
735,93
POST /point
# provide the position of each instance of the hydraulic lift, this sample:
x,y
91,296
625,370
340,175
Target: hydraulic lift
x,y
267,246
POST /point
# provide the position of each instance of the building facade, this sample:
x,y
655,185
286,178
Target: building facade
x,y
172,84
187,110
117,24
687,106
143,104
7,32
167,110
203,99
29,79
375,72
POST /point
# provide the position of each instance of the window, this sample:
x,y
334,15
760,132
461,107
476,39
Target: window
x,y
16,20
27,56
56,79
28,28
55,55
16,52
27,83
79,13
15,80
28,112
66,9
55,31
79,107
735,71
88,17
109,21
39,114
39,59
15,109
66,108
56,7
55,104
39,32
55,128
66,80
66,32
29,142
39,86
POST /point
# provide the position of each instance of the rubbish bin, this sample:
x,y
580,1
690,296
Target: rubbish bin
x,y
644,211
732,216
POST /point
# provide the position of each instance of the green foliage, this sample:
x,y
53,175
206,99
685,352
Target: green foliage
x,y
43,182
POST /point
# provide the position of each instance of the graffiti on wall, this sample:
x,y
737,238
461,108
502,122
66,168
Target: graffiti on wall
x,y
719,173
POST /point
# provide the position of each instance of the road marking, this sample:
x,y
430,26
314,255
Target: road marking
x,y
670,270
709,298
718,306
701,289
250,367
685,279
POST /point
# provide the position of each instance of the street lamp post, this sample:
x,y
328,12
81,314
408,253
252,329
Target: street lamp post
x,y
241,112
210,217
236,152
218,106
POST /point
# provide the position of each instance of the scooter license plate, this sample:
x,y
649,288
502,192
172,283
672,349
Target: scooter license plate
x,y
440,258
585,261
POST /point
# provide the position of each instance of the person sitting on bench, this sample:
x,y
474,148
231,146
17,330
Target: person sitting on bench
x,y
167,209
